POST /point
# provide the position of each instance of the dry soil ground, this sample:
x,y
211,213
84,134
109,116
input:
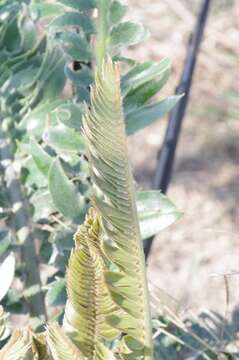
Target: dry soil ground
x,y
205,183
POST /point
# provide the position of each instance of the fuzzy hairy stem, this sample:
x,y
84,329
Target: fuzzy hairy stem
x,y
102,30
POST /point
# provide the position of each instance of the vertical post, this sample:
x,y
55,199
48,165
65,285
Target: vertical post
x,y
167,154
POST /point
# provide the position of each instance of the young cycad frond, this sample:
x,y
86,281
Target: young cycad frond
x,y
114,199
89,301
18,347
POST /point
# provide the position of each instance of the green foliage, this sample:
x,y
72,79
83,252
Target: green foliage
x,y
155,212
126,34
64,196
144,116
56,295
7,271
42,103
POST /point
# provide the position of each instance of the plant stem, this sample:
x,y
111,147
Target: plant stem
x,y
22,225
102,30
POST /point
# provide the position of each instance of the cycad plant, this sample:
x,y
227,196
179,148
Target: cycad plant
x,y
107,314
46,77
114,199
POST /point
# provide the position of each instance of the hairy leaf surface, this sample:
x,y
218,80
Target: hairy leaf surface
x,y
61,347
89,301
114,199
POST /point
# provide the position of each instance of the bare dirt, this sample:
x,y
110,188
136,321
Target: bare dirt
x,y
189,259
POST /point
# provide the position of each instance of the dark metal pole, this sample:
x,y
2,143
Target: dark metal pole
x,y
167,153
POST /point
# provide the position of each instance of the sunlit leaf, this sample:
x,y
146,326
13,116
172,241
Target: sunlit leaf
x,y
56,294
63,193
42,159
63,138
73,19
43,204
117,12
7,271
35,120
155,212
70,115
142,117
142,73
79,4
5,241
46,9
127,33
75,46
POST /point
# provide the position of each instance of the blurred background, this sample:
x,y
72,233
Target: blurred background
x,y
191,259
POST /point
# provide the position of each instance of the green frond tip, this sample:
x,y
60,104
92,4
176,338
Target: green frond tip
x,y
89,301
114,200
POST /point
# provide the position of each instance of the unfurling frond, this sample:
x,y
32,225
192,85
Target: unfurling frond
x,y
114,199
18,347
89,301
61,347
